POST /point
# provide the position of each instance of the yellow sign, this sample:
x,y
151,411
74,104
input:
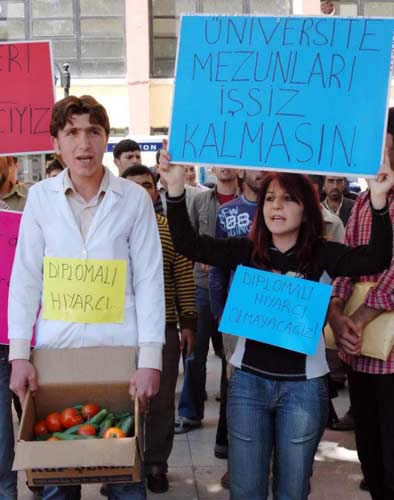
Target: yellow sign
x,y
84,291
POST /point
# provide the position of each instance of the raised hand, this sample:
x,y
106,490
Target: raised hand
x,y
174,175
382,183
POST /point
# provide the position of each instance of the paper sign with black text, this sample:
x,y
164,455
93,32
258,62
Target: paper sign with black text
x,y
276,309
27,96
9,229
282,93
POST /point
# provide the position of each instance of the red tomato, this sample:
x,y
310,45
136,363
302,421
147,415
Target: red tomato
x,y
113,432
53,422
89,411
87,430
70,417
40,429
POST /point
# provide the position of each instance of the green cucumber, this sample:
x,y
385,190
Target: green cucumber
x,y
106,424
121,415
69,437
127,425
75,428
99,417
43,437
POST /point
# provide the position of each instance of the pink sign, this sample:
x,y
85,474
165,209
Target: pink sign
x,y
9,228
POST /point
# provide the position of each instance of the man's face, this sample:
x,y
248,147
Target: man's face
x,y
254,179
225,174
82,146
190,174
147,183
128,159
334,187
390,148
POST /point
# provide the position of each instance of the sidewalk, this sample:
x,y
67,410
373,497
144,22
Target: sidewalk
x,y
195,473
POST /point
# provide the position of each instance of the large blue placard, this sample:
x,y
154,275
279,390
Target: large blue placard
x,y
283,93
276,309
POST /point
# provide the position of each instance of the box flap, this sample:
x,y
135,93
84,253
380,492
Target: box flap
x,y
89,364
89,453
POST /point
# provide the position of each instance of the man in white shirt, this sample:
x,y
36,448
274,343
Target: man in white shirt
x,y
88,213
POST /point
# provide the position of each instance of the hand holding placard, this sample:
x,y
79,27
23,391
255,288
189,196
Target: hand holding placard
x,y
174,175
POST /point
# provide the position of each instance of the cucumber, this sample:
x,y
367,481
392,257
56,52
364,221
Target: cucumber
x,y
44,437
106,424
121,415
99,417
75,428
127,425
69,437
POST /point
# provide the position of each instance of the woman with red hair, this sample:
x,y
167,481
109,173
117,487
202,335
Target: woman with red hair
x,y
277,400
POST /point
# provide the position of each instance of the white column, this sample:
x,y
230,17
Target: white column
x,y
137,37
311,7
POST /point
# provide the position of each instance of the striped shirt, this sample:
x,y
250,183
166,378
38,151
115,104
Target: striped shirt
x,y
178,281
358,230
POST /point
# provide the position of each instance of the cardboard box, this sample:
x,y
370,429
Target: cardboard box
x,y
67,377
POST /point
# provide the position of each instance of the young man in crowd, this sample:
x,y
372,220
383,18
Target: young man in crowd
x,y
180,307
371,381
126,154
93,215
335,201
191,178
203,213
12,192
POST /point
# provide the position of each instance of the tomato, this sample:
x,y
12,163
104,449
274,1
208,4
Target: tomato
x,y
53,438
53,422
89,411
87,430
113,432
40,429
70,417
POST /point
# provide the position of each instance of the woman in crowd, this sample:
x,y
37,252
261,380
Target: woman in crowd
x,y
278,398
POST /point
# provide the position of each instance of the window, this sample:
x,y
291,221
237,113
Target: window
x,y
87,34
382,8
165,16
165,20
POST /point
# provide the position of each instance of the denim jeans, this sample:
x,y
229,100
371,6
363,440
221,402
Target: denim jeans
x,y
283,418
127,491
8,479
192,399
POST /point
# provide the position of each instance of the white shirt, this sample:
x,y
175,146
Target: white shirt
x,y
123,227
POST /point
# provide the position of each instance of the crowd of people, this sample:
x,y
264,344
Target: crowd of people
x,y
182,242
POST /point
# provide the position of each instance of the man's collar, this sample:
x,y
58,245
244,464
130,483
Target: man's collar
x,y
335,212
160,186
15,190
68,184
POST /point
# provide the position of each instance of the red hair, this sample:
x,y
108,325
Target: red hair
x,y
300,188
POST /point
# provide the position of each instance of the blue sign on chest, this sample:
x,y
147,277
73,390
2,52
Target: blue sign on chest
x,y
276,309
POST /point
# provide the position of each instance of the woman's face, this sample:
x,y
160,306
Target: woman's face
x,y
282,214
